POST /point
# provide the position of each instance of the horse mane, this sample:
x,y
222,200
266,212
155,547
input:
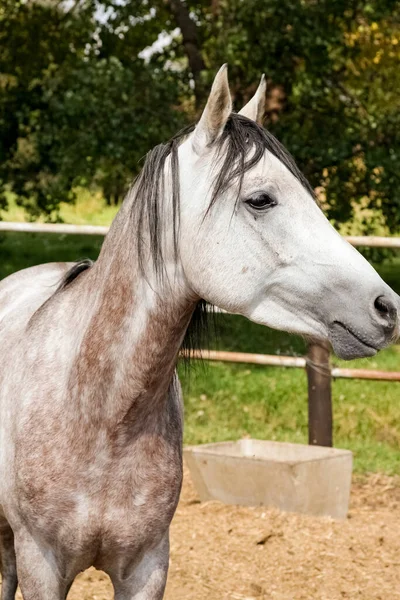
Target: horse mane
x,y
243,143
73,273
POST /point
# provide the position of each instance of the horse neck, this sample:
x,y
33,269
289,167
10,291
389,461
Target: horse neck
x,y
129,351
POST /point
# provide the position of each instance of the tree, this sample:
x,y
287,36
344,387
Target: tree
x,y
76,106
332,68
333,98
87,105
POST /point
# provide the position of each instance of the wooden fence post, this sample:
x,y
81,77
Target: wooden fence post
x,y
319,394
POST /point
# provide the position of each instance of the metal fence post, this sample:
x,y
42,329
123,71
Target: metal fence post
x,y
319,394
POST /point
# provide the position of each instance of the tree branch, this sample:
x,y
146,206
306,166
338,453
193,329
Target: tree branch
x,y
190,40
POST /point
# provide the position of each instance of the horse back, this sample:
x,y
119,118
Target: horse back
x,y
23,292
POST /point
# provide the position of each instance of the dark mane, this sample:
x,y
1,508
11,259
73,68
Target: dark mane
x,y
243,143
73,273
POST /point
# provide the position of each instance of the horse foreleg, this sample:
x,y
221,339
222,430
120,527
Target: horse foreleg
x,y
38,576
146,579
9,581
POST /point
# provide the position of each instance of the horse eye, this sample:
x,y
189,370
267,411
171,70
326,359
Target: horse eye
x,y
261,201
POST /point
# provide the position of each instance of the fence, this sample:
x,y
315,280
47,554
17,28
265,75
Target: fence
x,y
316,363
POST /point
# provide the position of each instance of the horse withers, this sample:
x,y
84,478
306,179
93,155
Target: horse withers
x,y
90,405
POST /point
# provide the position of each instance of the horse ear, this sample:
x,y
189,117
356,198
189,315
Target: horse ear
x,y
215,114
255,108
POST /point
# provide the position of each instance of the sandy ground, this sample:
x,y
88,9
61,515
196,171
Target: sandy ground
x,y
222,552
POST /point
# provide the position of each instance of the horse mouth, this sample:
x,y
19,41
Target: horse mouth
x,y
347,344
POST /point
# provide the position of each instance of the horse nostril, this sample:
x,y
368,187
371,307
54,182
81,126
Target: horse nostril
x,y
386,309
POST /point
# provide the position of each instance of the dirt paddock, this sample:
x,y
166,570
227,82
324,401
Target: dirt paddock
x,y
233,553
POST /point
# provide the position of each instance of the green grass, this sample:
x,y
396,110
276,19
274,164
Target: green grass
x,y
21,250
228,401
89,208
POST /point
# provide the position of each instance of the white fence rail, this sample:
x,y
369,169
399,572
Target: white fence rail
x,y
372,241
53,228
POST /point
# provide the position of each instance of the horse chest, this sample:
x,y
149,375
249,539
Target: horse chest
x,y
141,498
106,505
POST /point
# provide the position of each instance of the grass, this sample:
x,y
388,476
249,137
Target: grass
x,y
21,250
228,401
89,209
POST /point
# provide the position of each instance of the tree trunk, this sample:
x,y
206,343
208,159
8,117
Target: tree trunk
x,y
191,44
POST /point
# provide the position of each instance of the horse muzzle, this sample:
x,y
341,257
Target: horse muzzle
x,y
352,340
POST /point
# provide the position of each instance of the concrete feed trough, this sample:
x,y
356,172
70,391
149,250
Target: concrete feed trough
x,y
292,477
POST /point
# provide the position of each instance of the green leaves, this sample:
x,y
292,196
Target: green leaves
x,y
333,98
75,115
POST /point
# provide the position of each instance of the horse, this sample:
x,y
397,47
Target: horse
x,y
90,403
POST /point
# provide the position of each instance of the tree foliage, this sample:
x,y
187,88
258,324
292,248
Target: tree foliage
x,y
76,107
80,104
